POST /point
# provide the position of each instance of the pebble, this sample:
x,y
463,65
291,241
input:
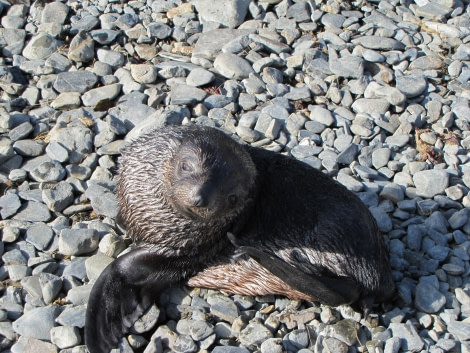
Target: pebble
x,y
9,204
232,66
254,333
37,323
94,96
78,241
428,299
429,183
65,336
40,235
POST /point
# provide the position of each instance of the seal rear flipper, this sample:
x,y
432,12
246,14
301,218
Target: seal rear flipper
x,y
327,290
121,294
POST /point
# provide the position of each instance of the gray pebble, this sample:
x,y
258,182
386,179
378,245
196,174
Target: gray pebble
x,y
59,197
229,349
40,235
78,241
40,47
223,307
199,77
411,86
50,286
9,204
72,316
37,323
228,14
431,182
461,330
48,172
428,299
96,264
32,211
254,333
183,94
65,336
95,95
378,43
232,66
29,148
21,131
75,81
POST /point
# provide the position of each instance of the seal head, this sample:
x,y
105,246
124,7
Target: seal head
x,y
209,177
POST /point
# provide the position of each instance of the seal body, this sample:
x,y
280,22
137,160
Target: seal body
x,y
210,212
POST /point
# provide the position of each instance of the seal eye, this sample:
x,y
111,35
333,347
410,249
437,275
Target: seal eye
x,y
232,200
186,166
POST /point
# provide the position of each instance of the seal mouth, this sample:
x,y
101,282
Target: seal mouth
x,y
196,213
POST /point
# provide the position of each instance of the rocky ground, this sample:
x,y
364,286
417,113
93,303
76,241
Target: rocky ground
x,y
373,93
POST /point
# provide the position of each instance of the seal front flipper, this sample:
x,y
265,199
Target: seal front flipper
x,y
327,290
121,294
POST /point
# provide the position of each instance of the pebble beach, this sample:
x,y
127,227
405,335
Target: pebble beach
x,y
373,93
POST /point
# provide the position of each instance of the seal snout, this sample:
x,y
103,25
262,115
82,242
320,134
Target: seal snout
x,y
199,199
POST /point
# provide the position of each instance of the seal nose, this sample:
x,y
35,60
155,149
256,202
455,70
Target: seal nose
x,y
199,200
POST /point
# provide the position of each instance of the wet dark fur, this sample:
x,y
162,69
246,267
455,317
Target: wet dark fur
x,y
192,198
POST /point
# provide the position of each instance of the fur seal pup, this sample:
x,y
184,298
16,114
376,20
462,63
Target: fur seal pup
x,y
206,210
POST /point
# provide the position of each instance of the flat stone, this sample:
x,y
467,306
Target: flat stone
x,y
96,264
75,81
72,316
349,66
223,307
48,171
410,340
144,73
253,334
37,323
21,131
32,211
232,66
411,86
186,95
9,204
59,197
110,57
351,183
378,43
78,241
199,77
380,157
40,235
92,97
29,148
229,13
65,337
428,299
392,192
82,48
55,12
210,43
159,30
104,36
50,286
427,62
371,105
274,46
67,101
40,47
460,330
431,182
32,345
